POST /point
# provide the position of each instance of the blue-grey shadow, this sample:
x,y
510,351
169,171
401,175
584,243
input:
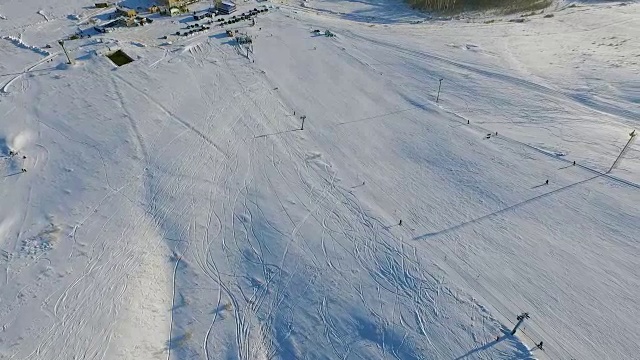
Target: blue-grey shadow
x,y
277,133
512,207
521,350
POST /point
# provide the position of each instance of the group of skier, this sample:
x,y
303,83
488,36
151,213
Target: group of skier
x,y
13,153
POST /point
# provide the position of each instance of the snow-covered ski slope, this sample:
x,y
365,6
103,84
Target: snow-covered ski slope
x,y
171,208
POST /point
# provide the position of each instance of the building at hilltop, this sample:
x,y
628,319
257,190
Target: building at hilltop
x,y
126,12
175,3
226,7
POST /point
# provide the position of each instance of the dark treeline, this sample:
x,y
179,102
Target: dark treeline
x,y
506,6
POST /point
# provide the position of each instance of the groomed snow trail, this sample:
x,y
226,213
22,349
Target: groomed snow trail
x,y
173,208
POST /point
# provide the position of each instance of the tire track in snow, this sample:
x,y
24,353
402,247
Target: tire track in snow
x,y
172,116
93,267
141,146
67,316
201,256
323,201
205,264
269,279
4,90
173,303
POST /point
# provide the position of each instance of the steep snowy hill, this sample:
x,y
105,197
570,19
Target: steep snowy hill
x,y
174,207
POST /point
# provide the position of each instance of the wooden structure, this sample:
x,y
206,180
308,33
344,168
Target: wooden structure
x,y
126,12
176,3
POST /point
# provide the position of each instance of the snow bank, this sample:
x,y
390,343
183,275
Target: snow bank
x,y
19,43
41,12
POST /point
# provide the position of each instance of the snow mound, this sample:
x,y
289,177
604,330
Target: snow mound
x,y
44,241
41,12
19,43
21,140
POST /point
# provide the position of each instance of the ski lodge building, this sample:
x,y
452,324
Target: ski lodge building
x,y
226,7
175,3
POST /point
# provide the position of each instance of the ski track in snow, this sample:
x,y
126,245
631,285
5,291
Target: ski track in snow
x,y
580,99
281,243
4,90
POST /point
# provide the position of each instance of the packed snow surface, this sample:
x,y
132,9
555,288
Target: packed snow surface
x,y
174,208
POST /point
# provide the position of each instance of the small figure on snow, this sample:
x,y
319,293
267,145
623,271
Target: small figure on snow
x,y
496,133
546,182
468,122
12,153
497,338
574,163
539,346
24,170
400,222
